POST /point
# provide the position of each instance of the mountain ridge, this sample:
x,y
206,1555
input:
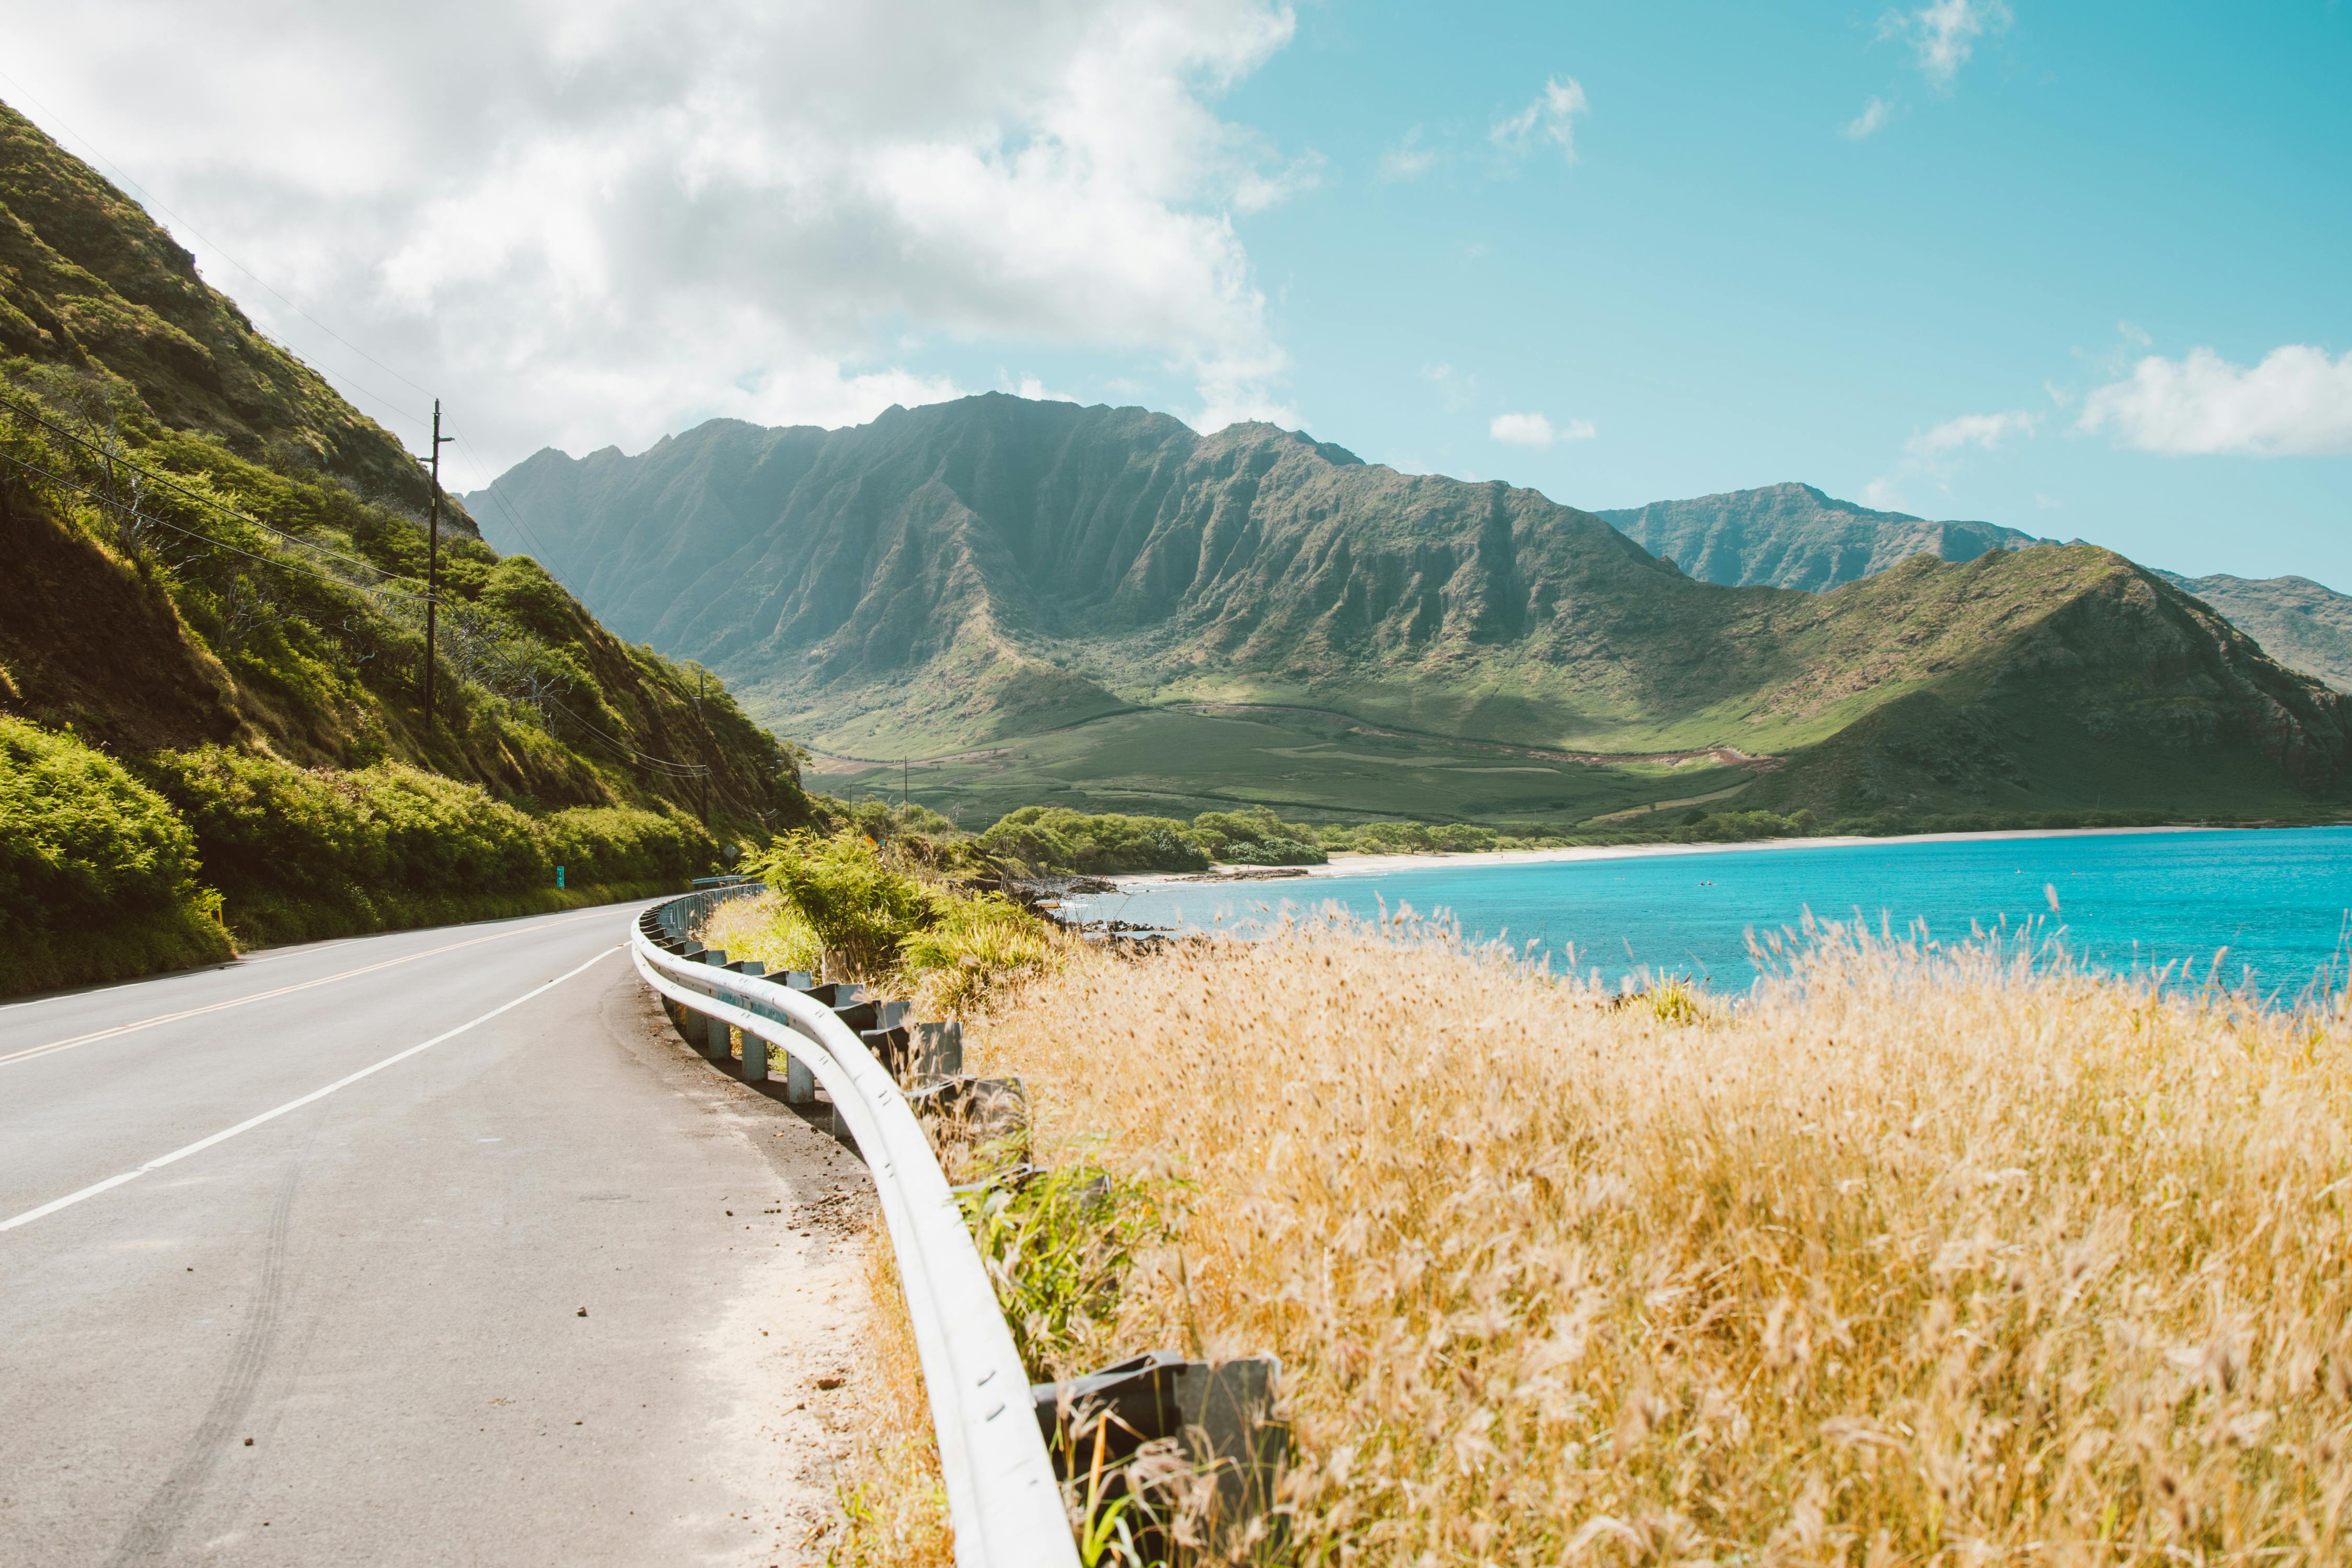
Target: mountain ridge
x,y
982,570
1792,535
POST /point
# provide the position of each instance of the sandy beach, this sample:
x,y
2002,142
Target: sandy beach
x,y
1349,864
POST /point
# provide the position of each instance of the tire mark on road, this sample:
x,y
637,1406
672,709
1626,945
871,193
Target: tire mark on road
x,y
149,1538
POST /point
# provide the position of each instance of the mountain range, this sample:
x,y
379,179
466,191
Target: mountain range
x,y
1101,603
1793,536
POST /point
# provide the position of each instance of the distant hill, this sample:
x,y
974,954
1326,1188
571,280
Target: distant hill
x,y
972,575
1793,536
2302,624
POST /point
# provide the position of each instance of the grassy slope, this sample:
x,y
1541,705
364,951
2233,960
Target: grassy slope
x,y
162,635
1163,762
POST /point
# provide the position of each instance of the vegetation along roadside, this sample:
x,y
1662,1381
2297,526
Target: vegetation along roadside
x,y
1913,1253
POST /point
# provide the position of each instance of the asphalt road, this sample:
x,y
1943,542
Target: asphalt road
x,y
353,1330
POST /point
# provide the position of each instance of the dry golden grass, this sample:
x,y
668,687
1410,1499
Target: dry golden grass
x,y
891,1493
1911,1258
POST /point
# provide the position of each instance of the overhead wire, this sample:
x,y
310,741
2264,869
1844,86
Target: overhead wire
x,y
169,483
148,517
685,770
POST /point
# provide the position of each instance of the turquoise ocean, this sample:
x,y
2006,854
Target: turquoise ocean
x,y
2265,910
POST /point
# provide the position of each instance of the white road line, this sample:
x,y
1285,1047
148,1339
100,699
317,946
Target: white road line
x,y
29,1052
249,1123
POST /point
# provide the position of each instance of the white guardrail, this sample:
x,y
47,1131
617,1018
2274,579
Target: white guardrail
x,y
1002,1497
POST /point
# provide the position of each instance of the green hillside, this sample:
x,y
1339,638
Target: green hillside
x,y
212,608
2303,625
1793,536
1041,591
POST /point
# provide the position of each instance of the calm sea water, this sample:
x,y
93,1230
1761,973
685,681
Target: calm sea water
x,y
2272,904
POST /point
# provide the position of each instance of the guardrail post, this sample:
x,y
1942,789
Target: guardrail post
x,y
800,1083
755,1050
715,1039
934,1050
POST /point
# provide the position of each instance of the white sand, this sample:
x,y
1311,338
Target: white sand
x,y
1345,863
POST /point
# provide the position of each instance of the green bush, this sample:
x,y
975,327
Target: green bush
x,y
98,874
1256,836
622,843
264,827
82,842
860,908
1055,839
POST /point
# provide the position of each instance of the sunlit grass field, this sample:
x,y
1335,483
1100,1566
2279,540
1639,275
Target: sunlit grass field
x,y
1909,1257
1176,762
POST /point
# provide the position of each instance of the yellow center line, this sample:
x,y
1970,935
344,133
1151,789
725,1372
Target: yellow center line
x,y
31,1051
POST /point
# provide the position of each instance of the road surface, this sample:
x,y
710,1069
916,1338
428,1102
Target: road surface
x,y
543,1287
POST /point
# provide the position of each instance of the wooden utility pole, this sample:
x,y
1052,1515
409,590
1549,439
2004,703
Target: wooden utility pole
x,y
432,570
903,765
705,725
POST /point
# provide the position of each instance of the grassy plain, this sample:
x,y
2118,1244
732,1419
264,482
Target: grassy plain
x,y
1914,1257
1176,762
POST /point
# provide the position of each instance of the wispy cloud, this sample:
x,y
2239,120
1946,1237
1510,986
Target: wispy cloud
x,y
1551,118
1984,430
2296,402
1453,386
1943,34
1874,115
1931,454
1535,430
1411,158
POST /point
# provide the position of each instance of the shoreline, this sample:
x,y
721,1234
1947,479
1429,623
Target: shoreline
x,y
1347,863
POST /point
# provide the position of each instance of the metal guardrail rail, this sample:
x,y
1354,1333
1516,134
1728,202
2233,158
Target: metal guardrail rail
x,y
1002,1497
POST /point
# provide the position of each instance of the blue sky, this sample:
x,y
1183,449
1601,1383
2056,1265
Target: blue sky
x,y
1732,287
2077,268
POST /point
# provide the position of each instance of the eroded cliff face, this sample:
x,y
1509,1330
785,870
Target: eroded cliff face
x,y
982,566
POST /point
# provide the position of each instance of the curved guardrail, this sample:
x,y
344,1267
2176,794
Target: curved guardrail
x,y
1002,1497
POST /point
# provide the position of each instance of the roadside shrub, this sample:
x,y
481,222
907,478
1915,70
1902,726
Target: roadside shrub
x,y
98,873
848,910
82,842
267,827
975,947
623,844
1058,1246
859,907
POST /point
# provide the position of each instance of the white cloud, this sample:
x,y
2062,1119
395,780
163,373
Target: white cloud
x,y
1943,34
1984,430
1535,430
1551,118
1874,115
594,222
2296,402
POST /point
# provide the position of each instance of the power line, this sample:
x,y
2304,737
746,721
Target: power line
x,y
169,483
148,517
